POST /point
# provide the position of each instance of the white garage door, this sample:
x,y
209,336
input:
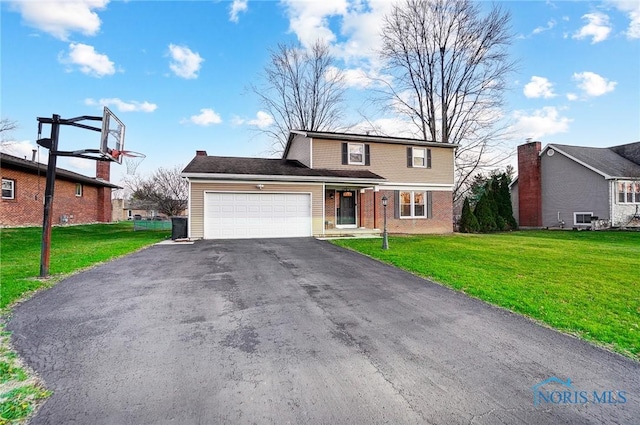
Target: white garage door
x,y
256,215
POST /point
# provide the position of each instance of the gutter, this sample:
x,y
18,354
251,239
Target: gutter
x,y
263,177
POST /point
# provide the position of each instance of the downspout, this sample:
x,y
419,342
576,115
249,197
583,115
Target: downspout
x,y
324,200
189,220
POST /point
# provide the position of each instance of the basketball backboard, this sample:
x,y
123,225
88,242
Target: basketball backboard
x,y
112,136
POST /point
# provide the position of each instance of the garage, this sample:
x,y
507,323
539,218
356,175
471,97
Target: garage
x,y
237,215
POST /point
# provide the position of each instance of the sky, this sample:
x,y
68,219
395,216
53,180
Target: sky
x,y
178,74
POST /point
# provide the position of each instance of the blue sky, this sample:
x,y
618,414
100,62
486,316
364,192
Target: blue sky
x,y
178,74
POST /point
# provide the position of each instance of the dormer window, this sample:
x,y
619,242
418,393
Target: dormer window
x,y
355,154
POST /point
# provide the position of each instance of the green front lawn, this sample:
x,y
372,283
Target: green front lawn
x,y
72,248
583,283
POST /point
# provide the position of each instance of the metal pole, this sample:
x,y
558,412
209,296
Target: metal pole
x,y
48,198
385,239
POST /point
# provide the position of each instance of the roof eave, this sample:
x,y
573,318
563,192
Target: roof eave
x,y
287,178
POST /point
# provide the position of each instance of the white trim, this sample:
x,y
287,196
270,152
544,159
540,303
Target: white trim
x,y
345,137
435,187
204,204
311,152
355,210
412,205
413,157
189,218
575,223
13,188
362,145
243,178
324,213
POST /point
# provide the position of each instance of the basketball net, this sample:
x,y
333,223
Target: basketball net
x,y
131,159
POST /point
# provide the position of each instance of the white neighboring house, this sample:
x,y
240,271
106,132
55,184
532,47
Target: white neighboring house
x,y
563,186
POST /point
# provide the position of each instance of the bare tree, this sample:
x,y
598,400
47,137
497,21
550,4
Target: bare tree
x,y
6,127
450,64
303,90
165,191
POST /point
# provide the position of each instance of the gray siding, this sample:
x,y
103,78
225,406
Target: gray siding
x,y
514,202
568,187
300,149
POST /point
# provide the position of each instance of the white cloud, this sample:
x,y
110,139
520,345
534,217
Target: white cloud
x,y
88,60
262,120
236,8
550,25
24,149
572,96
185,63
598,28
539,87
309,19
80,164
542,122
396,127
632,9
122,106
206,117
62,17
593,84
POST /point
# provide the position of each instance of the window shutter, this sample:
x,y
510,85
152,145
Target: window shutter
x,y
409,157
367,155
429,159
345,154
396,203
429,205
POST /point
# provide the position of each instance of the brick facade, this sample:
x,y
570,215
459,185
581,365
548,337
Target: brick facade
x,y
26,209
371,213
529,185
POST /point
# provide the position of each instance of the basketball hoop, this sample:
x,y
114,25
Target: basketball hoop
x,y
131,159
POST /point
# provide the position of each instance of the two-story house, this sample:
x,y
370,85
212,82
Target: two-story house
x,y
324,184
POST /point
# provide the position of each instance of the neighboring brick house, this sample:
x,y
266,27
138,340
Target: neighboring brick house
x,y
563,186
77,198
324,184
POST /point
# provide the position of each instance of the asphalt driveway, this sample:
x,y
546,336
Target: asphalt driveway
x,y
300,331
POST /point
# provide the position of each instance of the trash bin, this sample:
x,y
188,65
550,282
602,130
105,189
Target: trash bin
x,y
178,228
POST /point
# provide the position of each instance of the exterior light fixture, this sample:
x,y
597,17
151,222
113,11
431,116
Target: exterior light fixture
x,y
385,238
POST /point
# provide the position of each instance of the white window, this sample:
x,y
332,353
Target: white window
x,y
356,153
412,204
629,192
78,189
420,157
582,218
8,189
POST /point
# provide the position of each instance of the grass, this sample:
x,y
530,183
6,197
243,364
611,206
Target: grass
x,y
73,248
583,283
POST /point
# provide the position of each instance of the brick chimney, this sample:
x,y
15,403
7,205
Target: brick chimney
x,y
201,153
529,185
103,172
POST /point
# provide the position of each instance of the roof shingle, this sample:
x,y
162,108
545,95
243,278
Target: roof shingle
x,y
607,160
267,167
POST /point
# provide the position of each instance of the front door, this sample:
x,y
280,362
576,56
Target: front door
x,y
346,208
